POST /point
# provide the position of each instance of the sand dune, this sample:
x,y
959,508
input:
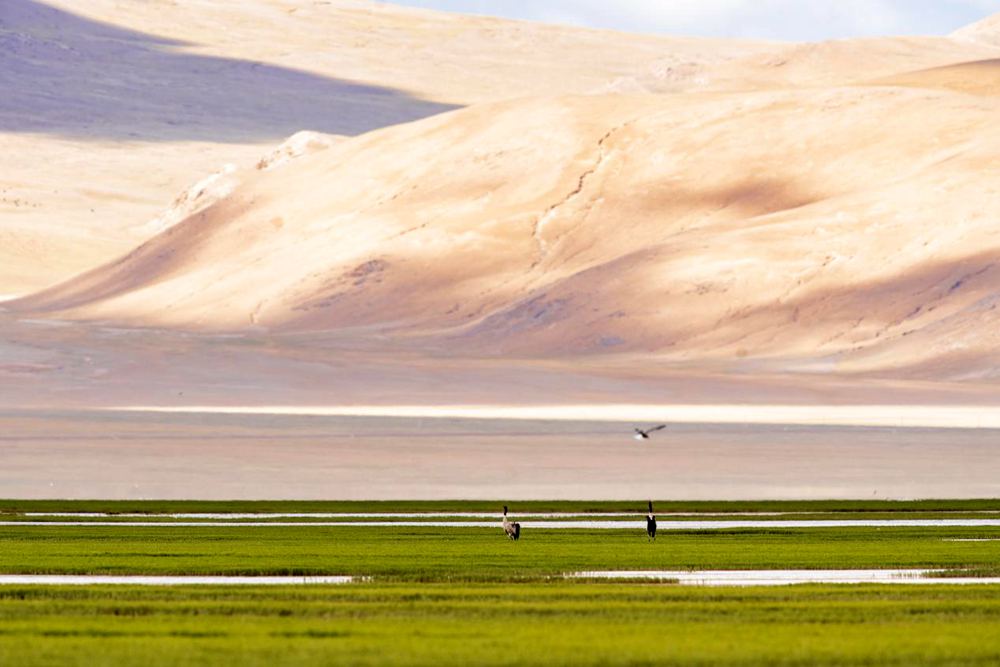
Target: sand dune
x,y
841,228
482,189
114,108
977,77
986,31
176,85
842,62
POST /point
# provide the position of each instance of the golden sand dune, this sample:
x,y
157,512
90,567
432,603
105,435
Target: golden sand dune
x,y
977,77
632,208
842,62
112,108
986,31
115,108
845,228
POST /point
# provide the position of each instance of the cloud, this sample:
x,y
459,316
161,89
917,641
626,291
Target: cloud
x,y
797,20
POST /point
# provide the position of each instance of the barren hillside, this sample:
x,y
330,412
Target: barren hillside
x,y
111,108
835,226
711,209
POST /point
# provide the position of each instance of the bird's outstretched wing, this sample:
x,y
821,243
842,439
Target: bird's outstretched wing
x,y
656,428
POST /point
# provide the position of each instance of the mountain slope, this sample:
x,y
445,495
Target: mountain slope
x,y
986,31
811,227
114,107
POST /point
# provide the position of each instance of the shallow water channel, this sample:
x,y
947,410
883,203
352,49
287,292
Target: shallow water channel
x,y
593,524
784,577
166,580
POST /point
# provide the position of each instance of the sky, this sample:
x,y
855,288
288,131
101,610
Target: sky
x,y
793,20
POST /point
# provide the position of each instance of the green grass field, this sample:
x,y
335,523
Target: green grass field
x,y
474,554
469,596
492,624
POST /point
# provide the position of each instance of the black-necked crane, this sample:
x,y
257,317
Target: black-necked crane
x,y
513,530
651,522
643,434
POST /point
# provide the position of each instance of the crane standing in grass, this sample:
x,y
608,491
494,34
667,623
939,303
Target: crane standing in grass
x,y
651,522
513,530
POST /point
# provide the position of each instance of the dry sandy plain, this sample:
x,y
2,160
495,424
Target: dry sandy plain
x,y
291,203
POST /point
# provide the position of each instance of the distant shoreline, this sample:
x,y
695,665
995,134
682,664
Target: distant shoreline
x,y
897,416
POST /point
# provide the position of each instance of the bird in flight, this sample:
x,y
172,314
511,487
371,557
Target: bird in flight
x,y
643,434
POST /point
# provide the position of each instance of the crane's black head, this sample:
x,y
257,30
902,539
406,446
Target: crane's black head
x,y
504,509
650,506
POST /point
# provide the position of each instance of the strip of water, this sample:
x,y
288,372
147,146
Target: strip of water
x,y
783,577
589,524
166,580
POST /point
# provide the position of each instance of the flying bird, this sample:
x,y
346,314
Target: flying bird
x,y
651,522
643,434
513,530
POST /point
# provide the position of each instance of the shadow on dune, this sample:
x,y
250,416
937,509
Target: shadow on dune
x,y
913,300
67,75
974,77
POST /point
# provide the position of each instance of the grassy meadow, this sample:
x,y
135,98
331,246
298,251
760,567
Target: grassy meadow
x,y
500,624
474,554
469,596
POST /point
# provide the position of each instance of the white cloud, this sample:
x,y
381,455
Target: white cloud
x,y
763,19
